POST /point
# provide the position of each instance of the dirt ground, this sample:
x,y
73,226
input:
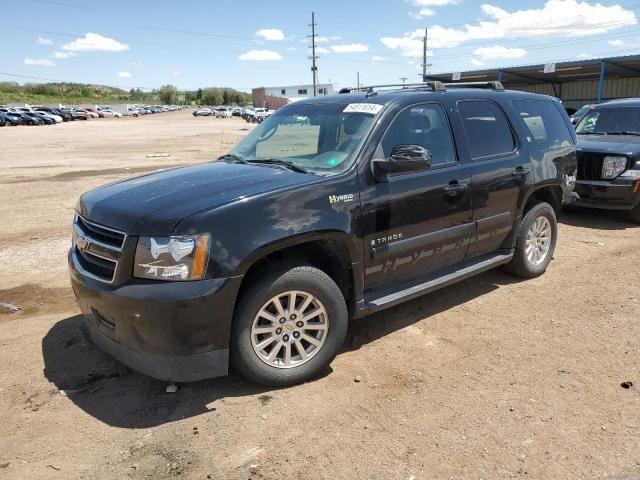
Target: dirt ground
x,y
492,378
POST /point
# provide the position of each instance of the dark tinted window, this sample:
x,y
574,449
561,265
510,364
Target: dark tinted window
x,y
548,129
487,129
611,120
425,125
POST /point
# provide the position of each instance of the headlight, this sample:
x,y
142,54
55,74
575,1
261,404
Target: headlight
x,y
172,258
613,166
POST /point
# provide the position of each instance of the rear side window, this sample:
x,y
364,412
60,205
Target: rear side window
x,y
543,120
488,131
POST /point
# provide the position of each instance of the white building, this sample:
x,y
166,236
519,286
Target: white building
x,y
296,92
275,97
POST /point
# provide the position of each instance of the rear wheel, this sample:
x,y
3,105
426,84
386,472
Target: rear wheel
x,y
288,326
536,242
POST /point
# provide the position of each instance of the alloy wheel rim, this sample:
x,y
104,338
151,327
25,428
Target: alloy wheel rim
x,y
538,241
289,329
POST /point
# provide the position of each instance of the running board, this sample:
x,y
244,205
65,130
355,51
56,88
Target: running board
x,y
463,271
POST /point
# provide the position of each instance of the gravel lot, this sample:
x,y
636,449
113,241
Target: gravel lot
x,y
492,378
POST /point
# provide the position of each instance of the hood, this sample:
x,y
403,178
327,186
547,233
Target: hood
x,y
153,204
628,145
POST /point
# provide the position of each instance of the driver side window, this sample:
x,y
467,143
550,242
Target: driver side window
x,y
425,125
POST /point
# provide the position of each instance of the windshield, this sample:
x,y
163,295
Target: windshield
x,y
610,121
317,137
581,111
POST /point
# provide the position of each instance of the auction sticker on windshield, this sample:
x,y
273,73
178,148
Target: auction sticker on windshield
x,y
370,108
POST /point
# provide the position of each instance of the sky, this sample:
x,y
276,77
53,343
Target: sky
x,y
250,43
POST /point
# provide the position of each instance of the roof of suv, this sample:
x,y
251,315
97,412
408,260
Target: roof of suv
x,y
622,102
412,94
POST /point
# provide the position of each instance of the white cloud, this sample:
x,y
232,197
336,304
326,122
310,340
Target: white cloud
x,y
557,18
350,48
62,55
270,34
377,58
322,50
616,43
260,55
291,49
497,51
43,62
175,72
321,39
125,74
94,42
423,5
584,56
477,63
423,13
44,41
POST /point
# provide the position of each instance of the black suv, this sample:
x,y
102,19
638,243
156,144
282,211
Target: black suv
x,y
609,157
332,208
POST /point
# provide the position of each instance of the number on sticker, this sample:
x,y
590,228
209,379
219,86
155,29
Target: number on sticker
x,y
370,108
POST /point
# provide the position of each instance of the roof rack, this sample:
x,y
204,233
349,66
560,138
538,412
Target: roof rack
x,y
435,86
494,85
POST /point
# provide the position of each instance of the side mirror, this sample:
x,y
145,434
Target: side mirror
x,y
403,159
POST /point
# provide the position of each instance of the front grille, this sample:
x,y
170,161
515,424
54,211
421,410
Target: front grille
x,y
102,234
101,268
590,166
97,249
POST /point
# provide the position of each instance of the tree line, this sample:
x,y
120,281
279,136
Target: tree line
x,y
11,92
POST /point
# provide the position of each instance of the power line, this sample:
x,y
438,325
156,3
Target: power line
x,y
314,68
61,4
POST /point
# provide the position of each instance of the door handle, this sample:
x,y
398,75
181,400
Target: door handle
x,y
520,172
455,188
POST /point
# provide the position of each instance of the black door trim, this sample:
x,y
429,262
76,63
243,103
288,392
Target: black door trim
x,y
494,221
446,235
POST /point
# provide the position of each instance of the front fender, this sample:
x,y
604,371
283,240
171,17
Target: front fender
x,y
246,230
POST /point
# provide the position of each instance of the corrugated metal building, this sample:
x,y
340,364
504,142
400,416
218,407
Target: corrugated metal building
x,y
576,83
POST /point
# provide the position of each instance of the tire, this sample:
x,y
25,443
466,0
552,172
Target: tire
x,y
309,286
533,254
634,214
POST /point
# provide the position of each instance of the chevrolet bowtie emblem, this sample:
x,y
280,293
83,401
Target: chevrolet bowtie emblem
x,y
82,243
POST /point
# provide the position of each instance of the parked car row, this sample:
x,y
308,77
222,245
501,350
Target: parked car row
x,y
220,111
256,115
30,115
27,115
139,110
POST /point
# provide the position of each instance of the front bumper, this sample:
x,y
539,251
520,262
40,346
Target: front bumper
x,y
176,331
607,195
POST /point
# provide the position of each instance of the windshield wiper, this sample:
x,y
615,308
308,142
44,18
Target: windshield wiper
x,y
624,133
284,163
233,157
592,133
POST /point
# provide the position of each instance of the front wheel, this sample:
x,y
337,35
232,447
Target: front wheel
x,y
536,242
288,326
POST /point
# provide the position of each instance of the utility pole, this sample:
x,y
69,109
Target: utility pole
x,y
424,56
358,80
313,57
